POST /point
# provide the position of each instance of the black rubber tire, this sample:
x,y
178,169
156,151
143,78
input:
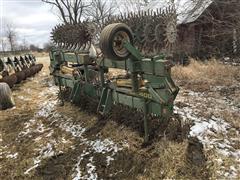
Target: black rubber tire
x,y
6,98
107,37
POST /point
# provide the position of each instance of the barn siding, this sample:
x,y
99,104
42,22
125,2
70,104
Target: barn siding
x,y
201,38
186,39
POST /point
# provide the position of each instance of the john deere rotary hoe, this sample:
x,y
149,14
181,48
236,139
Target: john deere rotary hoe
x,y
138,43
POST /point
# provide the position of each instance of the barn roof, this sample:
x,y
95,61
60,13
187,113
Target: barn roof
x,y
187,10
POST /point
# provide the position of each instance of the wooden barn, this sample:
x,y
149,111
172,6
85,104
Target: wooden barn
x,y
206,27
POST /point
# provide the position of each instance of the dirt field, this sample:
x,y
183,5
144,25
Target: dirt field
x,y
41,140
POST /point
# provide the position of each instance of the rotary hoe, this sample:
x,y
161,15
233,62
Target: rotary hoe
x,y
14,70
139,44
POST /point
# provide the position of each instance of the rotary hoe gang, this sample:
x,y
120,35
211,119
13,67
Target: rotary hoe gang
x,y
133,43
154,32
14,70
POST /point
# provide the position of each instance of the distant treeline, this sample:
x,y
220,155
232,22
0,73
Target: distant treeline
x,y
12,53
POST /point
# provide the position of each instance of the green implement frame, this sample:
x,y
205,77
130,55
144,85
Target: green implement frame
x,y
151,91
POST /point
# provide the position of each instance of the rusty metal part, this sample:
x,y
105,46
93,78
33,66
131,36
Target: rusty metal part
x,y
20,76
15,70
10,80
39,67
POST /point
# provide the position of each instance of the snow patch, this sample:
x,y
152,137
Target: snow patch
x,y
12,156
46,109
24,98
211,130
91,170
204,127
75,130
109,159
105,146
28,128
45,152
51,90
206,130
50,133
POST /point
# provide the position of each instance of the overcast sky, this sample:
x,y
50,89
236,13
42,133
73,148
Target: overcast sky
x,y
32,19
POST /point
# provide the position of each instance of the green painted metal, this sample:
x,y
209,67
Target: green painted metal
x,y
146,122
106,101
155,97
76,93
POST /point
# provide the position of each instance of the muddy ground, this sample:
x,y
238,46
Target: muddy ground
x,y
39,139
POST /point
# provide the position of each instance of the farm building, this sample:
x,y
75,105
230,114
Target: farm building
x,y
205,27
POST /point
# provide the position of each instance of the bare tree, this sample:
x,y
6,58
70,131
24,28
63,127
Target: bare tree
x,y
34,47
24,46
48,46
11,36
99,11
3,44
70,11
221,25
126,6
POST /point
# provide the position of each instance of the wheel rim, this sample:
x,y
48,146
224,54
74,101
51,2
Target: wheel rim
x,y
118,44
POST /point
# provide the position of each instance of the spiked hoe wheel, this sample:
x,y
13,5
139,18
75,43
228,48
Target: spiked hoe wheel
x,y
74,36
154,31
112,41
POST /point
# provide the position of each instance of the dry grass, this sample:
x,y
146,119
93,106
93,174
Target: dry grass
x,y
231,117
40,54
218,165
201,76
171,159
211,72
162,160
172,163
